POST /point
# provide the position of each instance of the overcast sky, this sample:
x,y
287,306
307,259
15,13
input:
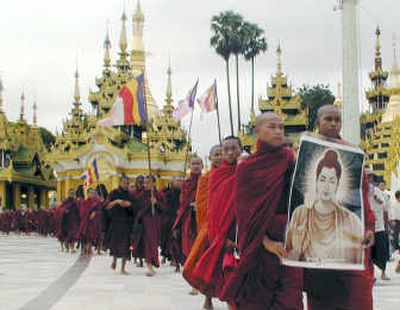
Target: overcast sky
x,y
41,39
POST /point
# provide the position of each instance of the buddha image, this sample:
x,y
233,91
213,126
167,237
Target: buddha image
x,y
323,230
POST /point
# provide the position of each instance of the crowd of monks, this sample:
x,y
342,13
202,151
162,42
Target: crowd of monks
x,y
225,227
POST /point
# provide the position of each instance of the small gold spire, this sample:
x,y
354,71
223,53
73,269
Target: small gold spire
x,y
22,109
138,22
395,81
378,42
77,95
338,100
123,42
168,99
107,46
279,59
35,114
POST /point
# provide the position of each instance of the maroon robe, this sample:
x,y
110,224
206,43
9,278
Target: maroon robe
x,y
150,236
29,222
58,215
261,190
70,220
120,223
208,274
86,209
344,289
186,217
42,222
94,224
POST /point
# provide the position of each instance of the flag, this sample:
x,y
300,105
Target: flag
x,y
129,107
92,173
187,104
209,100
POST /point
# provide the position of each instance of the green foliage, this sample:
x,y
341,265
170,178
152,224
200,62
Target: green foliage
x,y
47,137
255,43
313,98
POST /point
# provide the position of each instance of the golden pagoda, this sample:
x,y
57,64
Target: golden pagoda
x,y
120,149
25,179
281,100
383,143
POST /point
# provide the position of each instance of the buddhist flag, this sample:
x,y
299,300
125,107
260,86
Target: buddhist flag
x,y
186,105
92,173
209,100
129,107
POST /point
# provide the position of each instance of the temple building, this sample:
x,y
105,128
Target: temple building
x,y
378,95
86,154
281,100
25,179
383,142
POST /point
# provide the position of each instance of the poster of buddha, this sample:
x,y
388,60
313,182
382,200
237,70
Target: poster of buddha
x,y
325,228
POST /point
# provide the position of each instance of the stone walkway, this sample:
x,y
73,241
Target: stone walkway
x,y
32,277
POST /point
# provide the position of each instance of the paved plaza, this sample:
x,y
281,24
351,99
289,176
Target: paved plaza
x,y
33,275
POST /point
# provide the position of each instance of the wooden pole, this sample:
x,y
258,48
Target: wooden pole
x,y
217,108
187,146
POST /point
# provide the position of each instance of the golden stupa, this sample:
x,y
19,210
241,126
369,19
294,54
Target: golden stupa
x,y
120,149
25,179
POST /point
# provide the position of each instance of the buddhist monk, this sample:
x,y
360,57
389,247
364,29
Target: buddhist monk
x,y
58,231
337,289
261,192
138,252
90,230
202,242
151,204
185,223
119,206
170,246
70,221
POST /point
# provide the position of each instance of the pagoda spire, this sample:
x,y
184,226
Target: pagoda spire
x,y
138,51
279,60
168,94
339,99
1,95
123,62
77,93
107,47
22,108
378,58
395,81
35,114
393,107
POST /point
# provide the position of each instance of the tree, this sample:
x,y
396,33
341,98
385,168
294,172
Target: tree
x,y
47,137
255,45
313,98
223,40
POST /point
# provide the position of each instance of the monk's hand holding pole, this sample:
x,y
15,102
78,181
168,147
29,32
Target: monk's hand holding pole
x,y
274,247
369,239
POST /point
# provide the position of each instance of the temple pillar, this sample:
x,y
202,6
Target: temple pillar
x,y
31,198
44,198
67,187
59,191
3,195
17,196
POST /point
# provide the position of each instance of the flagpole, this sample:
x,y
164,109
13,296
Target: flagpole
x,y
218,118
188,142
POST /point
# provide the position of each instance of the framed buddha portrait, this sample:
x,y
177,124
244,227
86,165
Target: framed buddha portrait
x,y
326,214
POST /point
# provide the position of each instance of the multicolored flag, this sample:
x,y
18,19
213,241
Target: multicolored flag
x,y
209,100
129,107
186,105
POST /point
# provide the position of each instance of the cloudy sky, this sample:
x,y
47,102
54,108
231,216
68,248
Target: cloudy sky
x,y
41,40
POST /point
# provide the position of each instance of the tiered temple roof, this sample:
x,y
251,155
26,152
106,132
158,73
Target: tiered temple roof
x,y
281,100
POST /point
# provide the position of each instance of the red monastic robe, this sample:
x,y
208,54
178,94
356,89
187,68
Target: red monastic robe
x,y
208,275
186,218
70,220
259,281
333,289
86,229
150,236
58,215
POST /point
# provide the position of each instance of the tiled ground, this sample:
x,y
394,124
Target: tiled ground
x,y
29,265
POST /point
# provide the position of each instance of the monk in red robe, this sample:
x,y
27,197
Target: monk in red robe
x,y
70,221
261,191
201,243
151,204
89,230
119,207
29,222
138,251
185,223
58,232
334,289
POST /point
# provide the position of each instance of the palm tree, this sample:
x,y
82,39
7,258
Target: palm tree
x,y
255,45
223,40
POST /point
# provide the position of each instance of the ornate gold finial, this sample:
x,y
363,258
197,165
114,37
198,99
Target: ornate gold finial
x,y
77,94
168,99
279,59
107,47
338,100
35,113
123,42
138,23
395,81
22,109
1,95
378,42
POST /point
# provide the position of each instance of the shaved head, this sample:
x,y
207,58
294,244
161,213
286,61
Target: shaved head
x,y
327,109
266,117
329,121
